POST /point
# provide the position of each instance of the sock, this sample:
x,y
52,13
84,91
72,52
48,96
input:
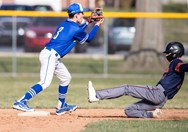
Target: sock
x,y
62,96
32,92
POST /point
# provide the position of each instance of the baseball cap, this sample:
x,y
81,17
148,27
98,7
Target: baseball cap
x,y
75,8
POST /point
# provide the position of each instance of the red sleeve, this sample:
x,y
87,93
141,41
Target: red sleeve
x,y
177,68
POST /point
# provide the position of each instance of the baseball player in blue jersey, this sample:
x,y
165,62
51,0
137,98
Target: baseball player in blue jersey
x,y
152,98
64,39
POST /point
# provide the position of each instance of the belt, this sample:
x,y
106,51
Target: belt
x,y
52,50
159,85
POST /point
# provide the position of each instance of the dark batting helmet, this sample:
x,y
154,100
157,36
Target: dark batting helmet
x,y
174,50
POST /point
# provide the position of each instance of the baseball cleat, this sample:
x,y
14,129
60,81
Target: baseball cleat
x,y
72,107
91,93
22,105
65,109
157,113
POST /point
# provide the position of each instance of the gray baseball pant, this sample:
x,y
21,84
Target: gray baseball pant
x,y
152,97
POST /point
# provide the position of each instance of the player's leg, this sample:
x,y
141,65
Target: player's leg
x,y
144,109
63,74
152,93
47,61
92,96
109,93
140,109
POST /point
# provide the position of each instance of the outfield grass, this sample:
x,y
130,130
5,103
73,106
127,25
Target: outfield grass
x,y
12,88
138,126
78,65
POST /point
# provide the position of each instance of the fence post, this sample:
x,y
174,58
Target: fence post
x,y
105,68
14,45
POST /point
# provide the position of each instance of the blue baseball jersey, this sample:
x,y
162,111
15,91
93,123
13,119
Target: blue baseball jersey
x,y
65,37
173,78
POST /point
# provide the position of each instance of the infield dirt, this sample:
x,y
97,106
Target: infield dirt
x,y
71,122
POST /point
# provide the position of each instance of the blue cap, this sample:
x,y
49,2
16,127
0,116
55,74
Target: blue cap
x,y
75,8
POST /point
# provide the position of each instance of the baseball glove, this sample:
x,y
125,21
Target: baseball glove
x,y
96,15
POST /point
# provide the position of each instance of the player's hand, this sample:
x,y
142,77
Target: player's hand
x,y
96,16
100,22
89,20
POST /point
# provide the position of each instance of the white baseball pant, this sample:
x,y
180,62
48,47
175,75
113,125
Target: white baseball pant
x,y
50,65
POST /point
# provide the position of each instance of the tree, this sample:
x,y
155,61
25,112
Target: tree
x,y
148,42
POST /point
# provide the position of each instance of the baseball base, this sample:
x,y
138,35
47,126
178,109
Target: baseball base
x,y
34,113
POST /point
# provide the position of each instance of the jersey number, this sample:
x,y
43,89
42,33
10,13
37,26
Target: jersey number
x,y
57,34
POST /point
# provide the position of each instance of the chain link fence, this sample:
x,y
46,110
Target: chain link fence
x,y
97,58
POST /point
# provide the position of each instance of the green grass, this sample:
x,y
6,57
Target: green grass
x,y
138,126
13,88
80,65
176,30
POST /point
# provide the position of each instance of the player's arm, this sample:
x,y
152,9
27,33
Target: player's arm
x,y
97,17
84,24
181,67
94,30
82,36
92,33
184,67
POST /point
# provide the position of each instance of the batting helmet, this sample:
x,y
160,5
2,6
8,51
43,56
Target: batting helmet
x,y
174,50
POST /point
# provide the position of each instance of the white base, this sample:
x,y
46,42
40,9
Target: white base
x,y
34,113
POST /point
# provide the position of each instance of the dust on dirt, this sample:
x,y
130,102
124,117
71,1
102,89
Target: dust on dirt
x,y
71,122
